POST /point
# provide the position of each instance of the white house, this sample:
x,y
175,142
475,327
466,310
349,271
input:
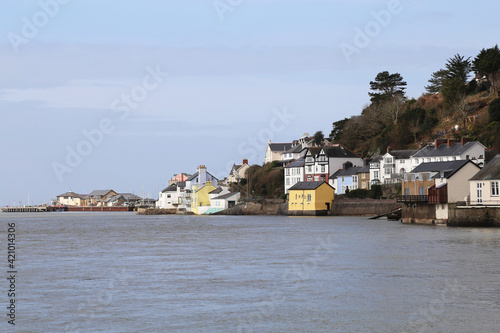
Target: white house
x,y
394,165
175,196
484,186
274,151
294,173
450,150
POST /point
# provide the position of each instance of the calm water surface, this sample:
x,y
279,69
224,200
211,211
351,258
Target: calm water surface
x,y
118,272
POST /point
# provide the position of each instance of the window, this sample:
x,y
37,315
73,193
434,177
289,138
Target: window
x,y
316,178
169,196
309,169
308,197
407,177
375,174
288,172
288,181
309,178
494,189
323,178
322,168
429,176
421,177
355,179
342,179
479,188
407,191
421,191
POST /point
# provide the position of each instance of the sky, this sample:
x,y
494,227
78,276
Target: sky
x,y
124,94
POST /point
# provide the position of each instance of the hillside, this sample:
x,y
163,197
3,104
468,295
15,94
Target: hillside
x,y
419,122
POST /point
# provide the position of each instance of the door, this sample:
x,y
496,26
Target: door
x,y
479,193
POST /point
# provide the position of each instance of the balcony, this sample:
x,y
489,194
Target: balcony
x,y
412,198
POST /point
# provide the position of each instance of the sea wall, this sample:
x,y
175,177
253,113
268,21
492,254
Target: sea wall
x,y
420,213
363,207
260,207
473,216
161,211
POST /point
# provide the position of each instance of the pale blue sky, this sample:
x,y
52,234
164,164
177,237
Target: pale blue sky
x,y
225,78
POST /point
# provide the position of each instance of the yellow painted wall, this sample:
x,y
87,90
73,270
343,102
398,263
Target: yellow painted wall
x,y
299,199
200,196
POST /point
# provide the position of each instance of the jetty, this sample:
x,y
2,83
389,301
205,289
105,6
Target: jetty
x,y
25,209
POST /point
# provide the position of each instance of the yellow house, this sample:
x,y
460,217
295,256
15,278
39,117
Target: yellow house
x,y
200,199
310,198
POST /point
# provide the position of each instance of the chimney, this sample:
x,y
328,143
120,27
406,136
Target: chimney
x,y
347,165
245,161
439,142
466,140
452,142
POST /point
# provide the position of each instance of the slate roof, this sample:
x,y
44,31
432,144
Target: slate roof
x,y
350,171
449,168
217,190
197,174
171,188
294,149
99,193
339,151
72,194
307,185
491,171
403,154
296,164
443,150
226,196
280,146
130,196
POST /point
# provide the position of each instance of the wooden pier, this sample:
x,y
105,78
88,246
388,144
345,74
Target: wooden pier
x,y
27,209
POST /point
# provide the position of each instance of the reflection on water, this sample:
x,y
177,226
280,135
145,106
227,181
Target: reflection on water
x,y
118,272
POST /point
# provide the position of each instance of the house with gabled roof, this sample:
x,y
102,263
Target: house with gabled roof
x,y
430,188
347,178
451,150
201,177
72,199
274,151
484,187
310,198
239,171
97,197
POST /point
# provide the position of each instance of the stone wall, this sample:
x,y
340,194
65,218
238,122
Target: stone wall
x,y
473,216
363,207
421,213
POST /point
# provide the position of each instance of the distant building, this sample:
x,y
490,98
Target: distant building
x,y
274,151
239,171
71,199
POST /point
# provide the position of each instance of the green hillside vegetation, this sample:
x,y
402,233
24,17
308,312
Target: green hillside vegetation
x,y
454,106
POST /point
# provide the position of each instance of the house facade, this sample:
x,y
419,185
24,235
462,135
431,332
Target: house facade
x,y
450,150
200,197
484,186
431,187
347,178
310,198
294,173
201,177
72,199
274,151
239,172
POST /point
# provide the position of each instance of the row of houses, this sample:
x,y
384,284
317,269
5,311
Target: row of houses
x,y
201,192
345,170
422,173
100,198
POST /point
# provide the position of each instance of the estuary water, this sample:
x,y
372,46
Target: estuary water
x,y
119,272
